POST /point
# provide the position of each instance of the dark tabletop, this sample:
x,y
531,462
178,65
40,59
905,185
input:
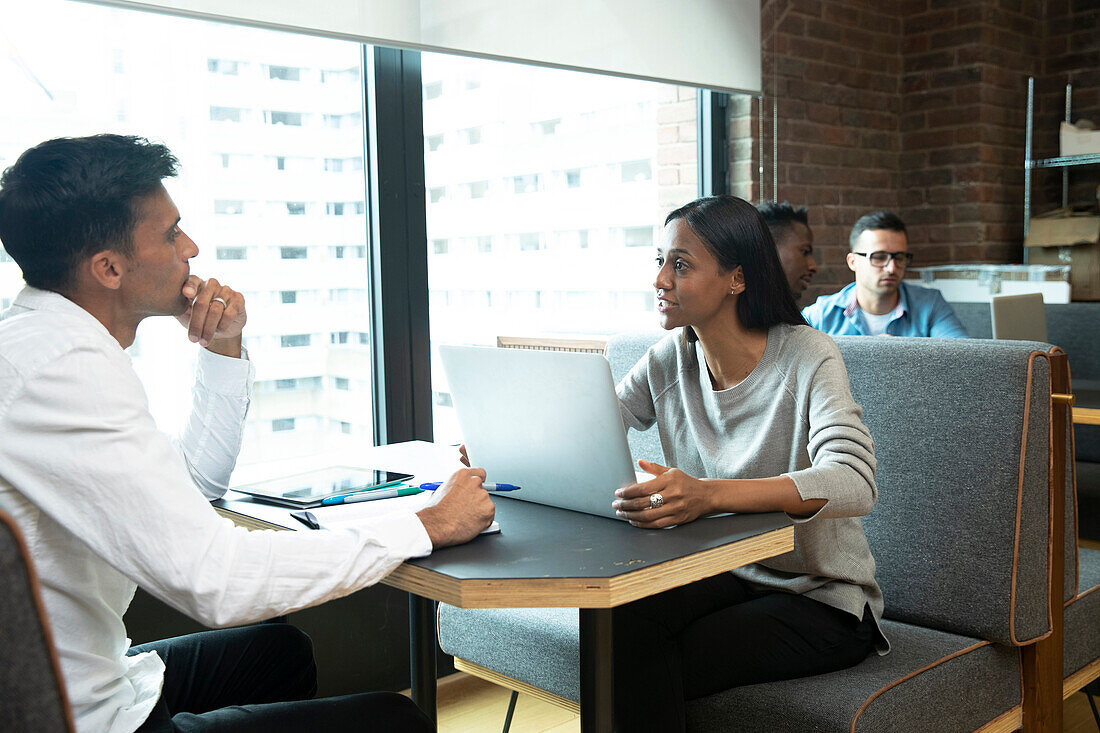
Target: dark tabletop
x,y
537,541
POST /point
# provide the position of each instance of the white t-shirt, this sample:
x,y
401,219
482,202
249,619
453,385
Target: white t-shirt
x,y
876,325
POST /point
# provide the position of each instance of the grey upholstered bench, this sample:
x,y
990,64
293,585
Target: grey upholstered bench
x,y
961,535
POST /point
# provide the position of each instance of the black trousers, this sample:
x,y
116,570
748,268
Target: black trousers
x,y
715,634
259,679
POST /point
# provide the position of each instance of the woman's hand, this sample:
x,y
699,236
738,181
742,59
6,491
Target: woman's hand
x,y
685,498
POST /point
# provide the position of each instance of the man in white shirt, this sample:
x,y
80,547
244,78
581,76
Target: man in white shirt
x,y
107,502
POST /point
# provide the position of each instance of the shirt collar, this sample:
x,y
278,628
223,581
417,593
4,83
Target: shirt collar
x,y
32,298
851,305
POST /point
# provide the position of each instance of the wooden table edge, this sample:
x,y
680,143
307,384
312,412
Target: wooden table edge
x,y
1086,415
590,592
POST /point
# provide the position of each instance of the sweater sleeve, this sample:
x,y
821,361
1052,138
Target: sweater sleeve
x,y
636,397
840,447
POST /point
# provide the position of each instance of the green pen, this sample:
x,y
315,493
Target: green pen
x,y
328,501
378,494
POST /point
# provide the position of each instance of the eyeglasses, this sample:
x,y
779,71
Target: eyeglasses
x,y
882,258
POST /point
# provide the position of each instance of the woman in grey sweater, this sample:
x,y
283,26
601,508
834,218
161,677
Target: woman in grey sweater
x,y
755,415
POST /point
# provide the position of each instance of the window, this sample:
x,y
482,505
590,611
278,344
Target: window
x,y
294,341
638,236
232,253
546,127
296,208
284,73
288,296
437,194
344,208
471,135
344,121
341,252
282,425
226,114
526,184
555,232
233,208
343,76
342,383
343,165
294,119
636,170
222,66
293,253
439,246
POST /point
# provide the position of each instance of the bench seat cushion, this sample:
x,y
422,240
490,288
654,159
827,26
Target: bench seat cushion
x,y
979,683
1082,617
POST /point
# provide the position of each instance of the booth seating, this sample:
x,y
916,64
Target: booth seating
x,y
961,535
1074,327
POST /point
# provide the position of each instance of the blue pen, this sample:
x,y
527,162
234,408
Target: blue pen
x,y
489,486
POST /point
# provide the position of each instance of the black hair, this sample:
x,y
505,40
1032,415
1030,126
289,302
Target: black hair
x,y
882,219
780,216
735,233
68,198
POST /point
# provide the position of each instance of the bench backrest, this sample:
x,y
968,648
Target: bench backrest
x,y
961,427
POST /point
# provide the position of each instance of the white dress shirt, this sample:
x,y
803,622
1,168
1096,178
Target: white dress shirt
x,y
108,502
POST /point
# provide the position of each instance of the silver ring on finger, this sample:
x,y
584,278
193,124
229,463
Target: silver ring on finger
x,y
656,500
220,300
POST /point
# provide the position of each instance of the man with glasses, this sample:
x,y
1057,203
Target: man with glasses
x,y
879,302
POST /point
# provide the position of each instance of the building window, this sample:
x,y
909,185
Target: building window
x,y
434,90
638,236
484,244
435,142
526,184
292,119
471,135
228,207
282,425
573,178
636,170
345,428
477,189
287,297
232,253
443,399
342,383
284,73
296,208
295,340
353,119
437,194
293,253
546,127
530,242
222,66
439,246
226,114
344,251
340,75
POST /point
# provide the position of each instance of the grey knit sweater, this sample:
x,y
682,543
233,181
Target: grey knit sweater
x,y
792,416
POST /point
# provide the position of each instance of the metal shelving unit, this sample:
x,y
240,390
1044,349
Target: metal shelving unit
x,y
1063,162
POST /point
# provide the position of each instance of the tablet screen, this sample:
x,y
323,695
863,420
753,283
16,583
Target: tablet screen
x,y
310,488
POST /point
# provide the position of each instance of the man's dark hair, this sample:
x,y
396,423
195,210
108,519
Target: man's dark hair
x,y
883,219
68,198
780,216
735,233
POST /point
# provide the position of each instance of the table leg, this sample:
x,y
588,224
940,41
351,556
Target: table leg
x,y
597,683
422,645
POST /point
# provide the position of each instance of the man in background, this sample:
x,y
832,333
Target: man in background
x,y
107,502
790,228
879,302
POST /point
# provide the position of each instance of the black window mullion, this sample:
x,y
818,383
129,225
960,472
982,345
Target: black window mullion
x,y
713,142
399,258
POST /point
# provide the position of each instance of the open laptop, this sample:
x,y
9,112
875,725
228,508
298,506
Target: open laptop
x,y
1018,317
547,421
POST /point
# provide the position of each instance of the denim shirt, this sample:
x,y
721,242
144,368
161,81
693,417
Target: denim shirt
x,y
920,312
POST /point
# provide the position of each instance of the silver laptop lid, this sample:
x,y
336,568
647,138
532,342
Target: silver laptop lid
x,y
1020,317
547,421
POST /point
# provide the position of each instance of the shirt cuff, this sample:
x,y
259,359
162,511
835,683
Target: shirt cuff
x,y
403,535
224,374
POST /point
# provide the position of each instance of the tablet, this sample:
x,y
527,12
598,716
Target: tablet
x,y
305,490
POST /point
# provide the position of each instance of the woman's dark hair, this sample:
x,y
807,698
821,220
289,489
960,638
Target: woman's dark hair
x,y
735,233
67,198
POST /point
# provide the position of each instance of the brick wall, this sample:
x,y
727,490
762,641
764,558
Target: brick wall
x,y
918,106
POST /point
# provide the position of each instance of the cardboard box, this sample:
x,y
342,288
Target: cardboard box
x,y
1064,238
1077,141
